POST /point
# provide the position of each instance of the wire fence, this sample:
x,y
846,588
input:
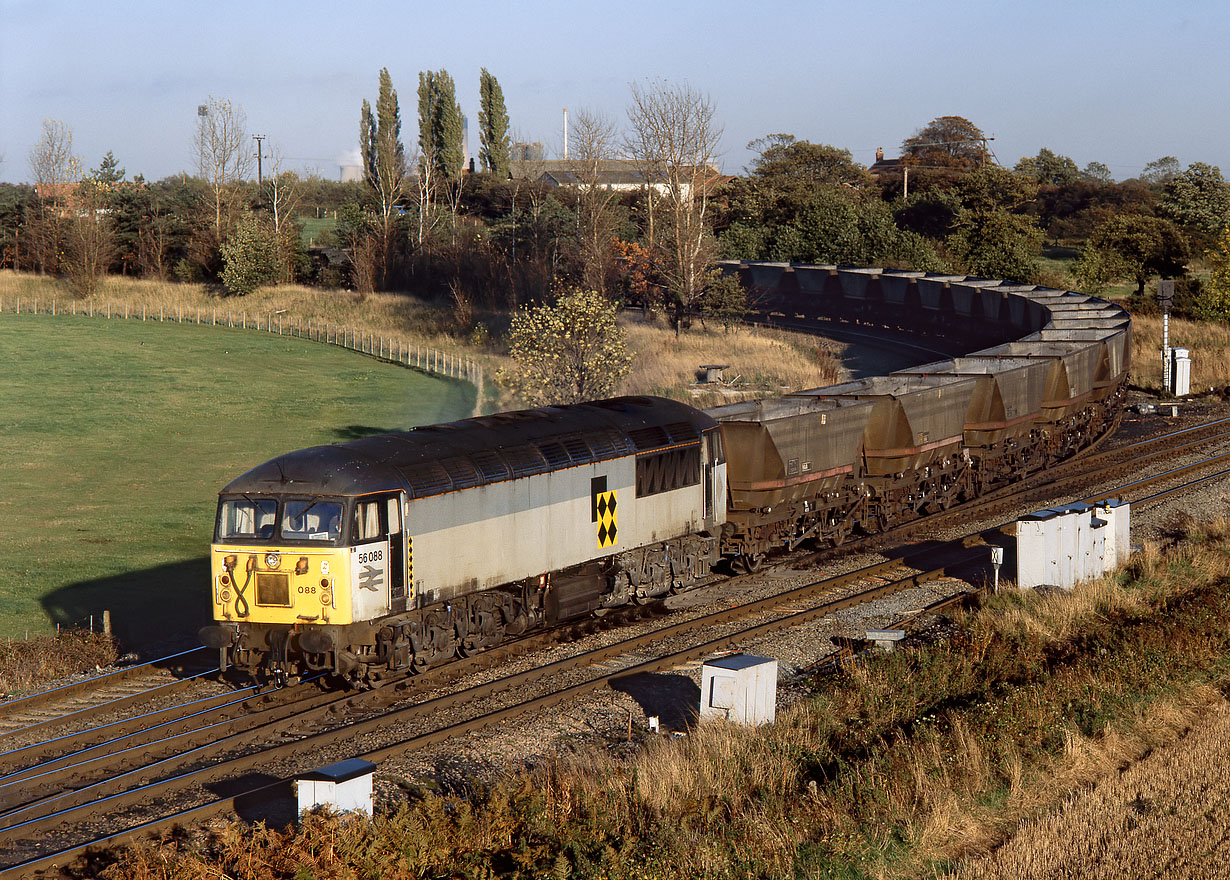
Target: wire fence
x,y
385,348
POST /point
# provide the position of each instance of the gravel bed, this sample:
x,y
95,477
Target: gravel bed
x,y
616,718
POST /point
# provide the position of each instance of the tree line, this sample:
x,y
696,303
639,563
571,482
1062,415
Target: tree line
x,y
500,231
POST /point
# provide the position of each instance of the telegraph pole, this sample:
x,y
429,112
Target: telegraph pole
x,y
258,138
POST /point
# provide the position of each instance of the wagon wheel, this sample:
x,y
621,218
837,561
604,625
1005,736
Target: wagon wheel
x,y
839,533
751,562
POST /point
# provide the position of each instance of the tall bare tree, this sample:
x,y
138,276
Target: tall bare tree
x,y
283,193
674,138
223,156
595,141
89,236
56,171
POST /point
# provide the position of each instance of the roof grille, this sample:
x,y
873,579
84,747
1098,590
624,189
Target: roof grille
x,y
555,454
525,460
428,478
493,467
652,437
578,449
462,472
682,432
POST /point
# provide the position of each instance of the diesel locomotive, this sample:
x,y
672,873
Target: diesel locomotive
x,y
401,550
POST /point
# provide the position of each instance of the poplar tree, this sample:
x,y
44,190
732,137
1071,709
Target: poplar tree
x,y
440,133
384,158
441,151
493,125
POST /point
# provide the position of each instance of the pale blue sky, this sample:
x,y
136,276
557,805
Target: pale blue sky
x,y
1118,82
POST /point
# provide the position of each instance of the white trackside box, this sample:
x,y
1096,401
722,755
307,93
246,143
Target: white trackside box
x,y
346,785
740,688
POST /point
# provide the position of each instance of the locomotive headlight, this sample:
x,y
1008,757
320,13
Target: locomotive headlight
x,y
301,567
272,560
226,595
326,596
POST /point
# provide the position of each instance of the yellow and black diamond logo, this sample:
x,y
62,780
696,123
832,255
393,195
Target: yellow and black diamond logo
x,y
607,527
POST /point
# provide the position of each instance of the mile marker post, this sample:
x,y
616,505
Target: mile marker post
x,y
997,559
1165,299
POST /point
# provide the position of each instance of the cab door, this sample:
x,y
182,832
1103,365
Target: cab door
x,y
399,554
378,559
715,478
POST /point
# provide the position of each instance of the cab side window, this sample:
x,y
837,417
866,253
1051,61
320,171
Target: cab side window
x,y
367,521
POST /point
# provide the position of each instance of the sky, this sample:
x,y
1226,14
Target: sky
x,y
1122,82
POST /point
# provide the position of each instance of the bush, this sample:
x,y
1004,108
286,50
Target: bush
x,y
567,352
249,257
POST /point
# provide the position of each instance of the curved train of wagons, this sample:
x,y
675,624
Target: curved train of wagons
x,y
401,550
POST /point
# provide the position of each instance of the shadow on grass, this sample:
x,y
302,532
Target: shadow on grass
x,y
358,432
151,610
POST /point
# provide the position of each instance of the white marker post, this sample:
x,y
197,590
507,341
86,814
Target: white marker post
x,y
1165,298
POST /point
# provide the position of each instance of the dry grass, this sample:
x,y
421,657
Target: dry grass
x,y
933,781
761,361
27,665
385,313
1167,815
1208,343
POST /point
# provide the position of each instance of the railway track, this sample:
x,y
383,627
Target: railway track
x,y
44,798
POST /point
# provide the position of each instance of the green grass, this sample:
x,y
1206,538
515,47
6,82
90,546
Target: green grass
x,y
314,227
117,435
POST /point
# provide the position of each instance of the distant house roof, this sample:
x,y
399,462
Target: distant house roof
x,y
563,172
58,191
614,177
886,166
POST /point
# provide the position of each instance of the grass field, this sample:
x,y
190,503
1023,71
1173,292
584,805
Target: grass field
x,y
117,435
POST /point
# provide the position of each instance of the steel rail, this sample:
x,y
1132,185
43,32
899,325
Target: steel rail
x,y
119,675
35,751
